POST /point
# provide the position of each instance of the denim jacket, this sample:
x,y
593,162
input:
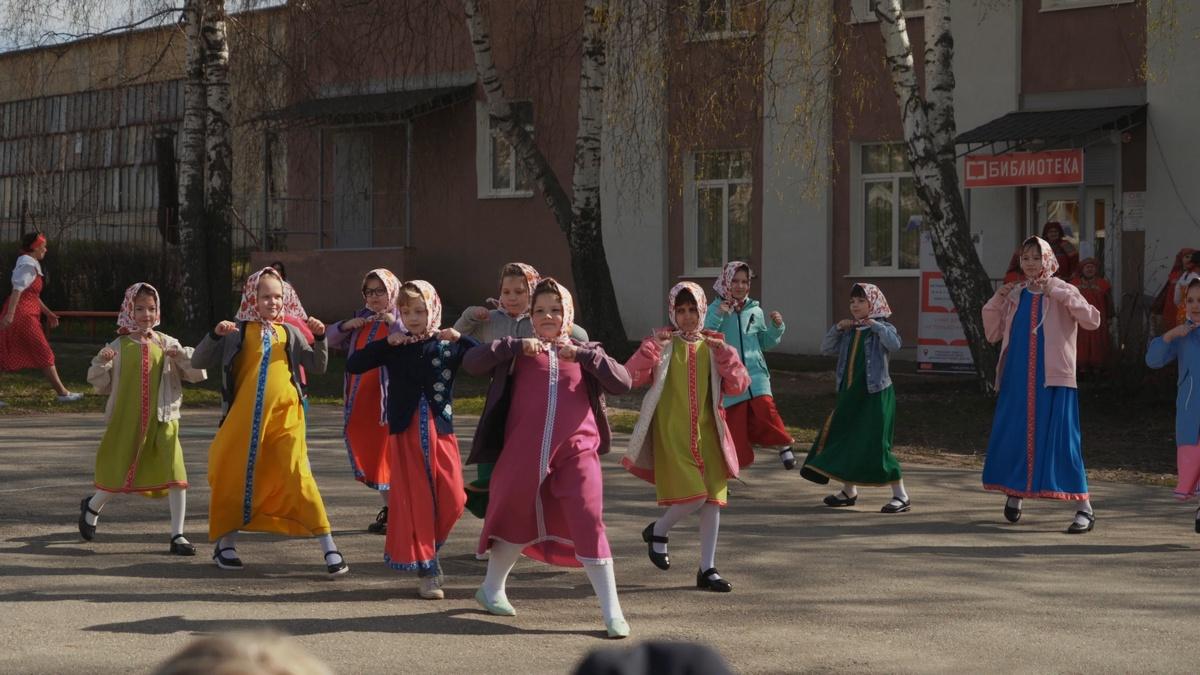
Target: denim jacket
x,y
880,340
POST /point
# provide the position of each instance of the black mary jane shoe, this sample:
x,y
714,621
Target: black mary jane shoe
x,y
661,560
1011,513
181,547
226,563
788,458
710,580
380,524
1076,528
339,567
897,505
88,532
843,500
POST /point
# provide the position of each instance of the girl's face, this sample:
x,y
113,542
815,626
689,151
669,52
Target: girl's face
x,y
547,316
1089,270
145,311
38,252
375,293
1053,234
514,295
1031,262
1192,303
739,287
687,317
269,302
415,315
859,308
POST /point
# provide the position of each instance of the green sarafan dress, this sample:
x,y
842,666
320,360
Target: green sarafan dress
x,y
139,453
855,445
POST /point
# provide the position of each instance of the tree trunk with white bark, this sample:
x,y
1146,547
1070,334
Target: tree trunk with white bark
x,y
219,158
193,238
577,214
929,132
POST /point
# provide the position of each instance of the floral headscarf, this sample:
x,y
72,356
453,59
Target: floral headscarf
x,y
248,310
879,304
391,284
568,303
697,293
1049,260
125,320
291,303
722,284
433,304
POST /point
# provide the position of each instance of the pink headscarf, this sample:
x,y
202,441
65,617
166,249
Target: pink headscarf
x,y
248,310
697,293
433,304
391,284
722,284
1049,260
125,319
568,303
879,304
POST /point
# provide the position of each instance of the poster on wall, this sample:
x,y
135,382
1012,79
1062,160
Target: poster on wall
x,y
941,344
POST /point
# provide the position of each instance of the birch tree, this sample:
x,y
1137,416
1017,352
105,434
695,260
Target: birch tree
x,y
193,243
218,192
929,132
578,213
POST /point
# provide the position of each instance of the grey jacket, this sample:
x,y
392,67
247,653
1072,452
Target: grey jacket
x,y
500,325
215,352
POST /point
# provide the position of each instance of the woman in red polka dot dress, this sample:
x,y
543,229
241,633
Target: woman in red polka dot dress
x,y
23,343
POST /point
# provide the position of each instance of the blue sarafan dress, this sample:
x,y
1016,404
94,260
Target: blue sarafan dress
x,y
1034,450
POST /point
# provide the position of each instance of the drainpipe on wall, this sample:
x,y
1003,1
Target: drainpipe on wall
x,y
408,139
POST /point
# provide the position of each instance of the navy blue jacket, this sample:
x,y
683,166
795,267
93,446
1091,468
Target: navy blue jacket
x,y
425,368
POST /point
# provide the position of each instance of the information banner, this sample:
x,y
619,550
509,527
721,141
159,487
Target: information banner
x,y
941,344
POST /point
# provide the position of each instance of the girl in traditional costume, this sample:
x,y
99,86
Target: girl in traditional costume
x,y
142,373
1065,252
422,450
681,442
544,426
508,317
751,415
1094,344
1182,344
854,447
364,411
258,469
23,343
1034,449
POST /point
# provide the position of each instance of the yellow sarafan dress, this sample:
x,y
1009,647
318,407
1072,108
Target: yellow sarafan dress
x,y
258,463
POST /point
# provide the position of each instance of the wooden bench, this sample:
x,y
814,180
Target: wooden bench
x,y
90,317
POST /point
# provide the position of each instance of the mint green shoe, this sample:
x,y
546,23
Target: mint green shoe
x,y
617,628
500,608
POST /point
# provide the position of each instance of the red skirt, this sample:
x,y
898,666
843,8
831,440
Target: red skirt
x,y
755,422
23,344
426,496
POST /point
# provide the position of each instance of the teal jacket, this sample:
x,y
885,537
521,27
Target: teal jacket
x,y
751,333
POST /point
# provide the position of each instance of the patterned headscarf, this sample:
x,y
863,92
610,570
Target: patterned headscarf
x,y
531,279
433,304
722,284
291,303
568,303
879,304
391,284
125,320
697,293
1049,260
248,310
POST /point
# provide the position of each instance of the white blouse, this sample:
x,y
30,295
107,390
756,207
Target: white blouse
x,y
26,270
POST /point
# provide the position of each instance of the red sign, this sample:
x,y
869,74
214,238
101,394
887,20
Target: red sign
x,y
1052,167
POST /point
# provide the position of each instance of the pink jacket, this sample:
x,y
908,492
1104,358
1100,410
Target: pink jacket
x,y
1063,311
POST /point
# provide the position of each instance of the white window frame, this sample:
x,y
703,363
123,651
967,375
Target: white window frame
x,y
858,224
483,158
691,212
1061,5
696,35
863,11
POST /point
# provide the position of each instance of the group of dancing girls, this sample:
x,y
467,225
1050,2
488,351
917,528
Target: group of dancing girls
x,y
539,488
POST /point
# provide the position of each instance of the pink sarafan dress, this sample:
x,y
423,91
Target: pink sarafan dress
x,y
546,490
